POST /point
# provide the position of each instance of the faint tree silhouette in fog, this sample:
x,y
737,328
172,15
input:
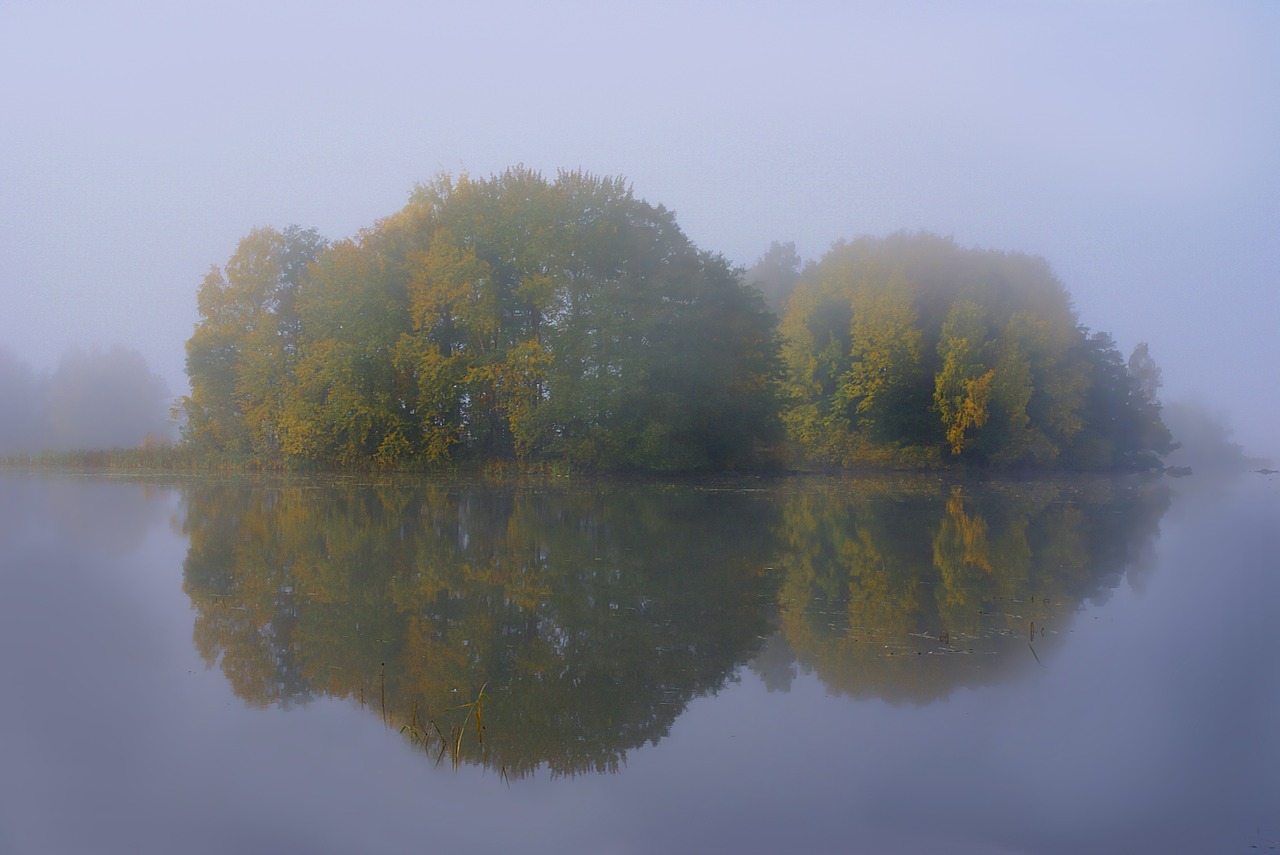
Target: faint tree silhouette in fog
x,y
94,399
22,425
106,399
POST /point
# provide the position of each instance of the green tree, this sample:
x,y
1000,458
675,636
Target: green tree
x,y
1123,428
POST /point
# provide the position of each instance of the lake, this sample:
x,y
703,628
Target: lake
x,y
804,664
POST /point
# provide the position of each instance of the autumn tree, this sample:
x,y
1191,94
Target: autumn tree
x,y
521,318
912,351
962,388
243,350
344,404
516,317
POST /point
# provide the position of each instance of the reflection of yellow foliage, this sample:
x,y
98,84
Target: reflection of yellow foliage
x,y
595,613
961,536
859,566
590,640
435,665
879,598
959,547
963,544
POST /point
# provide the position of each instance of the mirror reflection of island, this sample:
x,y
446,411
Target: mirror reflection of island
x,y
591,614
905,592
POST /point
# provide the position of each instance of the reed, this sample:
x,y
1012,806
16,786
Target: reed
x,y
423,731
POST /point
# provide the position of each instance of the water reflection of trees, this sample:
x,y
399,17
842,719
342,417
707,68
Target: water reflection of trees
x,y
906,591
595,612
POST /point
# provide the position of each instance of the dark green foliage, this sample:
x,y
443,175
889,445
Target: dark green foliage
x,y
1122,416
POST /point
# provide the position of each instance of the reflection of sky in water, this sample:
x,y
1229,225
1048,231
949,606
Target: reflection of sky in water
x,y
1149,728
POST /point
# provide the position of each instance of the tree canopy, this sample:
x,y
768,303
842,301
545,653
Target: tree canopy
x,y
911,350
511,317
520,318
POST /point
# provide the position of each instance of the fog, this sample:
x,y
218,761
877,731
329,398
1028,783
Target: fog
x,y
95,399
1130,143
1205,440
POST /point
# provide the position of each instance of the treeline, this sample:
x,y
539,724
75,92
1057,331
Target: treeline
x,y
504,318
95,399
566,321
911,351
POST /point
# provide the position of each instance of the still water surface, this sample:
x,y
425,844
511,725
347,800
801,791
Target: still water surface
x,y
800,665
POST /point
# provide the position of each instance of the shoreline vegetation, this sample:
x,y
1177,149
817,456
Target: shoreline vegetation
x,y
519,324
179,459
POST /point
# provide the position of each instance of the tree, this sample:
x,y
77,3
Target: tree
x,y
509,317
1204,438
1145,372
244,348
1122,425
906,350
105,399
345,403
962,390
519,318
884,355
569,319
775,274
95,399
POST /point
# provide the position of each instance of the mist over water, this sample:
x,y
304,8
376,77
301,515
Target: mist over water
x,y
200,665
804,665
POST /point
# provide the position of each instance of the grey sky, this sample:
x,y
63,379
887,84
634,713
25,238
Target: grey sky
x,y
1136,145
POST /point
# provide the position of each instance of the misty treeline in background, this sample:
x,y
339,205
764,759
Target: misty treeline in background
x,y
95,399
517,318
